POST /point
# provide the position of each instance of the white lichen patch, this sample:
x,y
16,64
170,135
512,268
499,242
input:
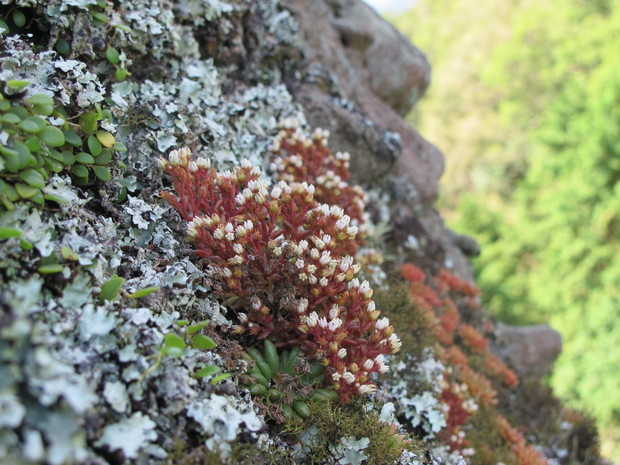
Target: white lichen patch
x,y
130,435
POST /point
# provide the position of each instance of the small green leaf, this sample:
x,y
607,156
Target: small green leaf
x,y
200,341
207,371
53,136
63,47
102,173
79,171
19,18
4,28
106,138
41,99
219,378
197,326
32,178
6,233
69,254
55,198
120,147
88,122
174,340
100,17
121,74
68,157
144,292
11,159
111,288
94,146
50,269
172,351
104,157
72,138
26,192
43,110
122,27
53,165
33,125
33,143
16,84
85,158
182,323
112,55
10,118
25,245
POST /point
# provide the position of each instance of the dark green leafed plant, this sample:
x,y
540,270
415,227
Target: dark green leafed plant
x,y
42,138
283,384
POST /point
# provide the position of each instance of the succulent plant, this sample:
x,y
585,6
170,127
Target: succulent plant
x,y
284,383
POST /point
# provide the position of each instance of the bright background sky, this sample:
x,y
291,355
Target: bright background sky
x,y
390,6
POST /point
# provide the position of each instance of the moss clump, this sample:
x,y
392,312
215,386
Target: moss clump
x,y
411,325
239,454
358,420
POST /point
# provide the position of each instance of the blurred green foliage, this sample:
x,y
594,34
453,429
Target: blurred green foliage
x,y
525,104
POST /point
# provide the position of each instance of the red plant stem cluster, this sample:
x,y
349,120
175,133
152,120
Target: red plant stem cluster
x,y
525,453
302,158
459,344
287,262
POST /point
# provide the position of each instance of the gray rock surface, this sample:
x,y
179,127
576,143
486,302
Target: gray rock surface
x,y
532,350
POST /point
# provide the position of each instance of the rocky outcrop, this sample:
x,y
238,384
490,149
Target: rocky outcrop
x,y
361,76
531,350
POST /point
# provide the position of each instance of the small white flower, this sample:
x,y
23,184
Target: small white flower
x,y
240,199
323,322
382,324
299,264
276,192
303,245
366,389
325,257
245,163
336,376
218,234
352,231
368,364
247,224
315,254
348,377
323,282
334,312
312,319
238,248
370,306
334,324
193,167
342,353
203,163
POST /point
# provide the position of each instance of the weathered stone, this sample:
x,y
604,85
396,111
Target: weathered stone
x,y
532,350
373,73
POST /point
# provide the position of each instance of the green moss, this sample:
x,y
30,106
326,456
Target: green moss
x,y
410,323
332,422
239,454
